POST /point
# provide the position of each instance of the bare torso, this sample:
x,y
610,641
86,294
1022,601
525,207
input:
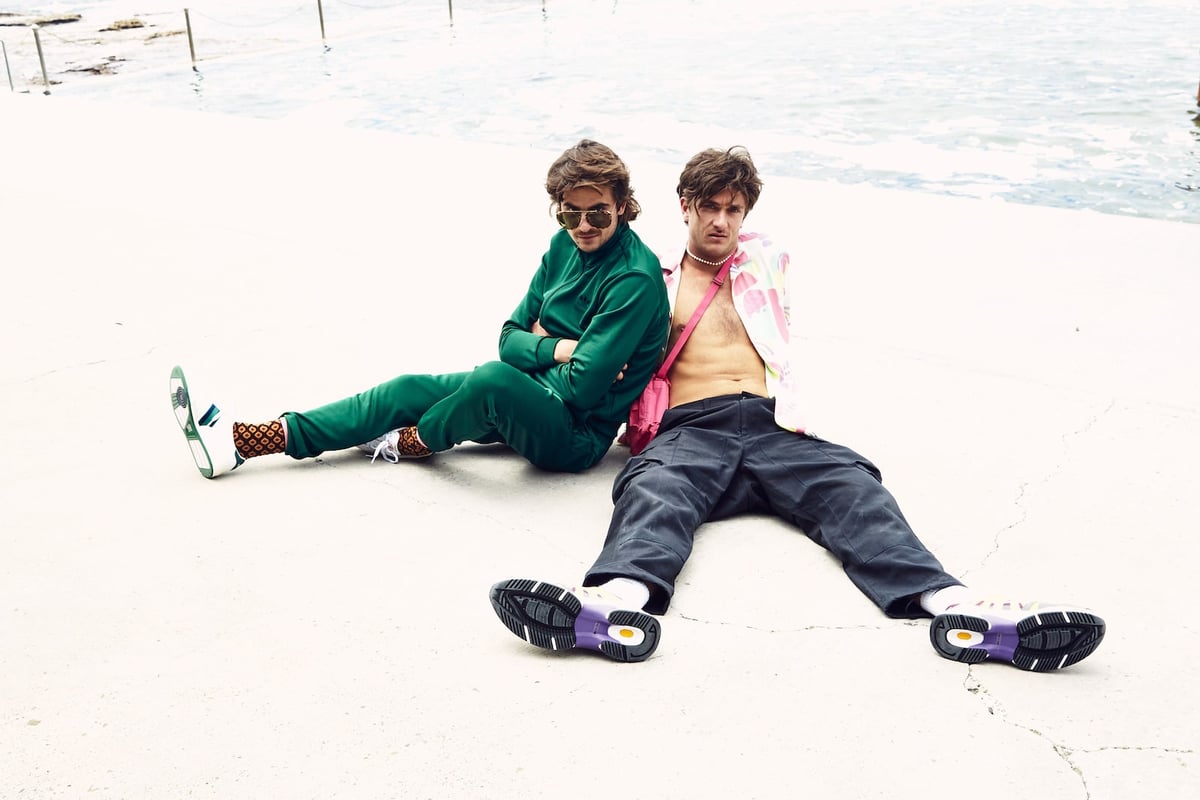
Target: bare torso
x,y
719,357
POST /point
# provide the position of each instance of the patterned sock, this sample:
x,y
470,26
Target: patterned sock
x,y
252,440
408,444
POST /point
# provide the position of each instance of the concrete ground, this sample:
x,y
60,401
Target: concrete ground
x,y
1026,378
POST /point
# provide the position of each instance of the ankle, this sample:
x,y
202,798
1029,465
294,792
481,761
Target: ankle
x,y
408,443
937,601
252,440
632,594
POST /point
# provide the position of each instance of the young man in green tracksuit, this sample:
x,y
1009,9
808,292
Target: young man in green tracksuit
x,y
577,351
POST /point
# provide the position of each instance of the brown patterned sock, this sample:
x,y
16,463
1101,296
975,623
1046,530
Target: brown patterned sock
x,y
407,444
252,440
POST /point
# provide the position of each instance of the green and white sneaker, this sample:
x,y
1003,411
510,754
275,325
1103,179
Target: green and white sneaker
x,y
209,432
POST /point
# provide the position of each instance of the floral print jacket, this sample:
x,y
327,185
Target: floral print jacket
x,y
760,296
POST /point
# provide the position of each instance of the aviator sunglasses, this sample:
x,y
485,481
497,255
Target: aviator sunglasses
x,y
596,217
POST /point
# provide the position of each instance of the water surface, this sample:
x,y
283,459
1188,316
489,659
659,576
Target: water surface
x,y
1065,103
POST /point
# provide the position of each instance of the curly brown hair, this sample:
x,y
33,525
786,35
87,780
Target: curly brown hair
x,y
712,171
592,164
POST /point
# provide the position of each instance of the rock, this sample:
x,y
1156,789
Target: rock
x,y
106,67
124,25
8,18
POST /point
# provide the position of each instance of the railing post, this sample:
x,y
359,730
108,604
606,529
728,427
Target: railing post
x,y
6,67
450,3
321,14
37,39
187,18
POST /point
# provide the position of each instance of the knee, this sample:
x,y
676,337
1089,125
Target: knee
x,y
494,375
494,380
644,482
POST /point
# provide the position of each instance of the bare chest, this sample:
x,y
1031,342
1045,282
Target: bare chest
x,y
720,323
719,357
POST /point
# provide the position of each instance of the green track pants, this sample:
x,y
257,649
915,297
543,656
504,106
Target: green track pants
x,y
494,403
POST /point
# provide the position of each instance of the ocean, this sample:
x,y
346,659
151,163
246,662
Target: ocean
x,y
1065,103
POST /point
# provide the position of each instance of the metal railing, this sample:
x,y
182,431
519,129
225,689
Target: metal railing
x,y
196,58
4,47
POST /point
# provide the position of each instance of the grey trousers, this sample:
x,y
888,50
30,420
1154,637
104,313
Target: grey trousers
x,y
723,456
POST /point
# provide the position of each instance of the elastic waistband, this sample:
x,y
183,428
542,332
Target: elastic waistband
x,y
720,401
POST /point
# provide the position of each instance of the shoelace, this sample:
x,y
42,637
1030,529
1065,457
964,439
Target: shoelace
x,y
385,449
593,597
999,606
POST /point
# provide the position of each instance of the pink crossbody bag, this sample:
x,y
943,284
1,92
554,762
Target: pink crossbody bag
x,y
646,413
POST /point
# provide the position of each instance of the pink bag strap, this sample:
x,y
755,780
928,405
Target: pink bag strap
x,y
717,281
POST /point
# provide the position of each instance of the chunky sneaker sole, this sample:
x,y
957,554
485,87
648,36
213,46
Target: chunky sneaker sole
x,y
552,618
215,456
1043,640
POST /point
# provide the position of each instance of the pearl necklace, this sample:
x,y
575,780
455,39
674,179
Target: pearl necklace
x,y
695,257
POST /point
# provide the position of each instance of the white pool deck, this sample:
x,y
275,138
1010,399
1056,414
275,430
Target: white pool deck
x,y
1026,378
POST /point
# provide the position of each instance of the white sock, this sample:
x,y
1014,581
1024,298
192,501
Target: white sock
x,y
936,601
633,594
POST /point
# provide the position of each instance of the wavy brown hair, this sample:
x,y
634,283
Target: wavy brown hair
x,y
592,164
712,171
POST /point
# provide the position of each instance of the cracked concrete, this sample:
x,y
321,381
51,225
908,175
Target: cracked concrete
x,y
1018,501
1023,378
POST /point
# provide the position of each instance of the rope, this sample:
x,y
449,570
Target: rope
x,y
289,15
140,14
369,8
82,42
369,32
98,36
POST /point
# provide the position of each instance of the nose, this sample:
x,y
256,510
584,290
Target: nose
x,y
586,227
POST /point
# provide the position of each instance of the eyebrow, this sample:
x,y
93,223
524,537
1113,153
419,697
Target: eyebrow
x,y
596,207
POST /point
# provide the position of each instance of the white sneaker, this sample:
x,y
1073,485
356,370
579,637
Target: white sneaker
x,y
1035,636
383,447
553,618
395,445
209,432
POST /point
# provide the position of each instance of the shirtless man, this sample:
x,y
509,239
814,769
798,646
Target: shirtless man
x,y
732,443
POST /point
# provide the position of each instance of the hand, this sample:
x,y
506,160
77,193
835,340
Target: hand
x,y
563,349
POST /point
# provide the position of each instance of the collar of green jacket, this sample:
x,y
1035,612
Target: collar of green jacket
x,y
614,244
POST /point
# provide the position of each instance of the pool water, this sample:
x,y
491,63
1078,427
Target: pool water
x,y
1087,105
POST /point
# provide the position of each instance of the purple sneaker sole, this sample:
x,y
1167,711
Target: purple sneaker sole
x,y
1041,641
553,618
